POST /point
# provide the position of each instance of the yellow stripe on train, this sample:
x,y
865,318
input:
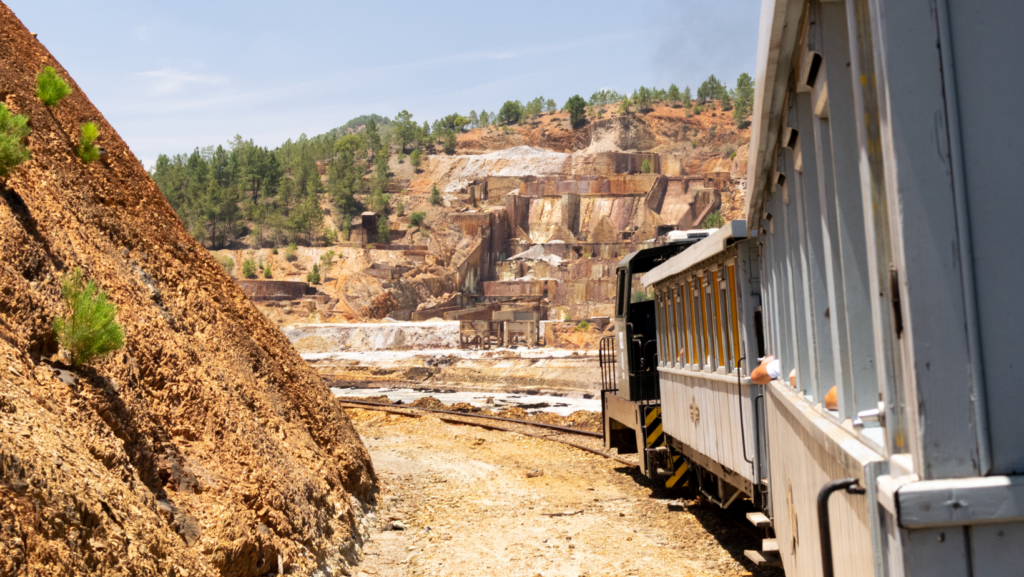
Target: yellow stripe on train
x,y
654,435
679,474
653,415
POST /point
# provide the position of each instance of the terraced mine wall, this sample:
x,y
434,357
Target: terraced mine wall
x,y
388,336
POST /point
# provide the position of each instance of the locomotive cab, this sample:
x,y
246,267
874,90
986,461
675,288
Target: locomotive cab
x,y
630,397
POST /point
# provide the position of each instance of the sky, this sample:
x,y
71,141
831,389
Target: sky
x,y
171,76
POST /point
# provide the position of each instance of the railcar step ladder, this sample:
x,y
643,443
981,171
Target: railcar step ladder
x,y
759,519
763,559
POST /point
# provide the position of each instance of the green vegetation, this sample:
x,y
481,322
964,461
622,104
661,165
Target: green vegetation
x,y
416,218
714,220
414,158
384,230
313,276
227,262
640,296
624,106
577,109
266,272
400,209
582,327
711,89
698,109
89,330
87,151
602,97
645,166
687,98
674,96
51,88
435,196
510,112
643,97
13,129
744,97
248,268
290,253
326,260
449,143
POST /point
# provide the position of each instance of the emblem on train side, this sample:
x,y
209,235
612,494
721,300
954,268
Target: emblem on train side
x,y
694,411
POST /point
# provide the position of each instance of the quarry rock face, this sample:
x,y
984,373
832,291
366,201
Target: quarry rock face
x,y
206,446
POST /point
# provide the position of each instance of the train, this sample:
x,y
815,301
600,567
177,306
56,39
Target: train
x,y
875,265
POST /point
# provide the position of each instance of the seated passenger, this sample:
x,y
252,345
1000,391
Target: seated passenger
x,y
769,369
832,400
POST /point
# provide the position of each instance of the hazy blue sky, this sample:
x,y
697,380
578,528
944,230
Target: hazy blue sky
x,y
171,76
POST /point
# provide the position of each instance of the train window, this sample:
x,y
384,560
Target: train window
x,y
707,312
695,352
674,324
728,351
718,326
659,301
734,307
622,294
679,356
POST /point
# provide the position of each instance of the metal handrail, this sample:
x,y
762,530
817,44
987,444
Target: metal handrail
x,y
851,486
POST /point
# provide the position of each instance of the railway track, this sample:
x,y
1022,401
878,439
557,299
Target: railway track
x,y
412,412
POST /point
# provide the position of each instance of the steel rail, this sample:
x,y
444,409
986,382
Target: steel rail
x,y
405,412
569,430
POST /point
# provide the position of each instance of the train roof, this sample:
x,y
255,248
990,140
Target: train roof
x,y
648,258
701,251
776,41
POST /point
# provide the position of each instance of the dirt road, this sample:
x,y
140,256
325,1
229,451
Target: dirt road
x,y
479,502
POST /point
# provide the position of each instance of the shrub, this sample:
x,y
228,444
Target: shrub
x,y
51,88
449,143
645,167
416,218
582,327
273,250
326,260
248,268
694,143
290,253
414,158
89,331
641,296
435,195
87,151
400,209
346,229
330,236
313,276
266,272
577,108
384,230
714,220
733,155
227,262
13,129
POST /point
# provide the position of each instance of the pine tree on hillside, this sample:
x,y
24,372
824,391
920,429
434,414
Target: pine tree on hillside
x,y
687,98
577,108
673,95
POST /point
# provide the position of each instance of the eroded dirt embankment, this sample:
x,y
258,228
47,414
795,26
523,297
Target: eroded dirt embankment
x,y
206,446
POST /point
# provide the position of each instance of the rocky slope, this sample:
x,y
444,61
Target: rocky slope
x,y
206,446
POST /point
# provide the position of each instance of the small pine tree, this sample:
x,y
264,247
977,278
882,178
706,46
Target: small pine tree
x,y
51,88
687,98
330,236
248,268
577,108
384,230
416,218
290,253
624,106
313,276
266,272
449,143
227,262
13,129
89,331
645,167
414,158
714,220
400,209
87,151
346,228
435,196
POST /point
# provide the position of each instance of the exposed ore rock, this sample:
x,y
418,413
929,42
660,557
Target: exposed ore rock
x,y
205,446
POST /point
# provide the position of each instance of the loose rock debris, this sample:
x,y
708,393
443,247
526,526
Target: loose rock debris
x,y
475,510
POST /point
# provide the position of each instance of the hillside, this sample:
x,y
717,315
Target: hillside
x,y
206,446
